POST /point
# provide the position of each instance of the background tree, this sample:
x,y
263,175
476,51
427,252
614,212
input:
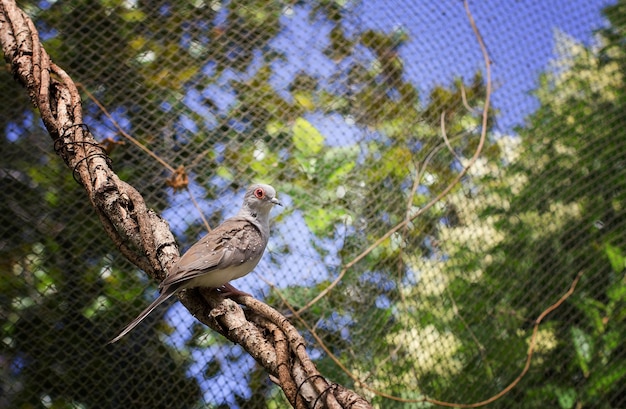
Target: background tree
x,y
555,211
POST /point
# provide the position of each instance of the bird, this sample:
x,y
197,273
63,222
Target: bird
x,y
229,251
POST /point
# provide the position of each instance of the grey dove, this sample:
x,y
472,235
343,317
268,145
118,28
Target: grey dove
x,y
229,251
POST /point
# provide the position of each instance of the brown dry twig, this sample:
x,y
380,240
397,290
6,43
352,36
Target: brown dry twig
x,y
125,134
179,180
109,144
143,236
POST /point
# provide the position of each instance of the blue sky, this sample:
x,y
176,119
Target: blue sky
x,y
519,36
441,46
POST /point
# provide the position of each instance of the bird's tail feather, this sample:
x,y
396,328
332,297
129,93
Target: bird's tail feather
x,y
160,299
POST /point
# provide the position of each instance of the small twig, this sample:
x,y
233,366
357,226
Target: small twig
x,y
200,212
150,153
445,137
124,133
465,103
382,362
407,216
419,175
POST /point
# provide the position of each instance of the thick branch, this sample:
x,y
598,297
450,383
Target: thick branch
x,y
144,237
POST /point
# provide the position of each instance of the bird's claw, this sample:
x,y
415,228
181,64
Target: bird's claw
x,y
228,291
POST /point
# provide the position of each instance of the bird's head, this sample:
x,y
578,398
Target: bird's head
x,y
260,198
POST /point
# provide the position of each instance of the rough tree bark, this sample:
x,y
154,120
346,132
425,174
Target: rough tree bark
x,y
144,237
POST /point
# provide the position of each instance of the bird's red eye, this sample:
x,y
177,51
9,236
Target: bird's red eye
x,y
259,193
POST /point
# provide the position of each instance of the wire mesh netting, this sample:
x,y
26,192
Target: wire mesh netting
x,y
452,231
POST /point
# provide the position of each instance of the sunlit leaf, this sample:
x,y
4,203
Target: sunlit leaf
x,y
613,374
566,397
304,99
583,345
616,258
321,220
306,138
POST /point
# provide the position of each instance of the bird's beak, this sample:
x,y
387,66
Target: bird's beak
x,y
276,201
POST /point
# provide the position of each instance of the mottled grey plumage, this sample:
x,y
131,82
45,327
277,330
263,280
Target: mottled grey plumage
x,y
229,251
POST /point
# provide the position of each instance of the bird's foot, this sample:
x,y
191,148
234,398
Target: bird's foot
x,y
228,291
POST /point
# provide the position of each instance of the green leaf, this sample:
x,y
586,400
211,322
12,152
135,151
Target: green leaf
x,y
337,156
306,138
616,258
617,292
566,397
583,344
595,312
305,100
224,173
264,163
612,376
612,340
307,164
340,173
274,128
321,220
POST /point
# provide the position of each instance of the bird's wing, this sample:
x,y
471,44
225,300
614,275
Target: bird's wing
x,y
232,243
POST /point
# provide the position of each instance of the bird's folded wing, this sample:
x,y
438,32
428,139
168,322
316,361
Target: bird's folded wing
x,y
232,243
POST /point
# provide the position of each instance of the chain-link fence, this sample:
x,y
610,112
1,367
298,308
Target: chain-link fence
x,y
452,231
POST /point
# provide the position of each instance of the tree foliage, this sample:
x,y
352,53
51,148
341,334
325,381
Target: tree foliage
x,y
555,211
